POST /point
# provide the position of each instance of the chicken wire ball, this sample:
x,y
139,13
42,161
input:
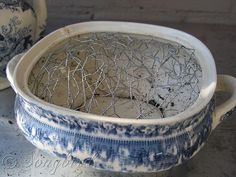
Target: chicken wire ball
x,y
118,75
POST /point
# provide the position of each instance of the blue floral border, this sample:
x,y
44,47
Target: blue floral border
x,y
103,152
89,127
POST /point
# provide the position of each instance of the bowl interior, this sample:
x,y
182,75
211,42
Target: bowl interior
x,y
118,75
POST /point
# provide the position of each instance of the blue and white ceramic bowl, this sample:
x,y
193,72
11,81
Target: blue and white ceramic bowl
x,y
119,96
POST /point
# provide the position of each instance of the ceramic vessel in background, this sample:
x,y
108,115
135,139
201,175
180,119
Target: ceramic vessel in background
x,y
124,144
20,27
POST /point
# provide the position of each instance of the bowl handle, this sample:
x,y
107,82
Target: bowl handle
x,y
11,68
225,83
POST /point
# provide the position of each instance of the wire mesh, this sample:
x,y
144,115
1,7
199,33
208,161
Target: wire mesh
x,y
118,75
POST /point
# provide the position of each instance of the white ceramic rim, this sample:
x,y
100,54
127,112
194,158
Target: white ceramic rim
x,y
204,56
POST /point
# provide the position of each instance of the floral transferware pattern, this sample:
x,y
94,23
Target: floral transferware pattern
x,y
14,39
15,5
128,147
